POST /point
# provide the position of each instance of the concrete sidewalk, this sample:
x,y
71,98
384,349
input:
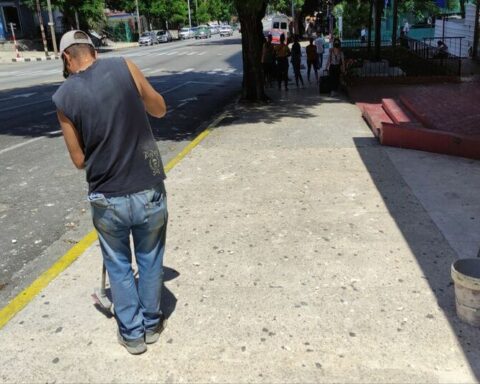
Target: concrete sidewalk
x,y
299,250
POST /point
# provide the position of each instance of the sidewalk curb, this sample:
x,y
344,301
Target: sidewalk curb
x,y
28,59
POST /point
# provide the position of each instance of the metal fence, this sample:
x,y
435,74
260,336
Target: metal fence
x,y
410,58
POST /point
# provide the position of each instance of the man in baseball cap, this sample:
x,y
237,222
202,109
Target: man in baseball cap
x,y
72,45
102,108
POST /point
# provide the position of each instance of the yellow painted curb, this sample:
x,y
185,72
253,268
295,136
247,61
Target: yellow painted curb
x,y
29,293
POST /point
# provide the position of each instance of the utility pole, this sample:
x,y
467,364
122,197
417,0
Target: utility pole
x,y
370,26
52,27
12,27
293,17
196,11
189,15
76,20
42,29
139,25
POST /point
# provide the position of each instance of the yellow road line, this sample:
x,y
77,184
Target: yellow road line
x,y
29,293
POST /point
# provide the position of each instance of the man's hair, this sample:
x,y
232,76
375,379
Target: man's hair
x,y
80,50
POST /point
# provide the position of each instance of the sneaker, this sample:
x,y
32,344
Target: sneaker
x,y
135,347
151,336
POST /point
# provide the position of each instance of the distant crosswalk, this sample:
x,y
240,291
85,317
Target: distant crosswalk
x,y
175,52
216,71
164,66
149,71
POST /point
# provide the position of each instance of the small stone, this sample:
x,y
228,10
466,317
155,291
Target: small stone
x,y
244,349
318,365
14,241
58,330
55,360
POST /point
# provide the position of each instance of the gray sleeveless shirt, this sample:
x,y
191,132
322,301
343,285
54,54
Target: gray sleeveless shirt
x,y
103,102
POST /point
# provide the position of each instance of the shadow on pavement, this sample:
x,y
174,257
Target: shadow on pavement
x,y
432,251
193,98
207,42
168,303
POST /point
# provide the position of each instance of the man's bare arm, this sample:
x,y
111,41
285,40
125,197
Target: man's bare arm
x,y
154,102
73,140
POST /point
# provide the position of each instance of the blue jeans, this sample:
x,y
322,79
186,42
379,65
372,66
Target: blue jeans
x,y
143,215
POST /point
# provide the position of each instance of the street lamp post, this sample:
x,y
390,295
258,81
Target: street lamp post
x,y
138,19
52,27
189,15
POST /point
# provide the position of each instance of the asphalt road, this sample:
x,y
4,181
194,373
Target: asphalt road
x,y
43,211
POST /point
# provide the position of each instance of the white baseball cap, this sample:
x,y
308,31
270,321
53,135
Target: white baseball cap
x,y
74,37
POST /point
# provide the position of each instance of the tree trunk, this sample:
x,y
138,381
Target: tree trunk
x,y
462,8
395,23
42,29
252,42
378,28
370,25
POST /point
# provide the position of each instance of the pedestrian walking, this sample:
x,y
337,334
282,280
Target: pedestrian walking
x,y
320,43
363,34
312,60
268,60
102,108
406,27
297,61
335,65
282,53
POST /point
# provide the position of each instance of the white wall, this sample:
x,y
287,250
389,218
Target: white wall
x,y
458,28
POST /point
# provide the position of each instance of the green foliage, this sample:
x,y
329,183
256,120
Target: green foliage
x,y
419,8
285,6
355,15
177,11
202,13
90,12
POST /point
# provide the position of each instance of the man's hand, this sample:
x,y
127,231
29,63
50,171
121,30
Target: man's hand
x,y
73,140
154,102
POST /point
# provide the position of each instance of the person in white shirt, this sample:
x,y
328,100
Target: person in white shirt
x,y
406,27
319,43
363,35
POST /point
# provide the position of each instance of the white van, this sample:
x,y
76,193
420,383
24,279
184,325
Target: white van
x,y
276,25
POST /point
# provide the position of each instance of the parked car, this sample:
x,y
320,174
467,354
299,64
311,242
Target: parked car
x,y
203,32
186,33
164,36
214,29
226,30
148,38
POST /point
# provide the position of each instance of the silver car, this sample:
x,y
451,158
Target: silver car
x,y
186,33
148,38
226,30
164,36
